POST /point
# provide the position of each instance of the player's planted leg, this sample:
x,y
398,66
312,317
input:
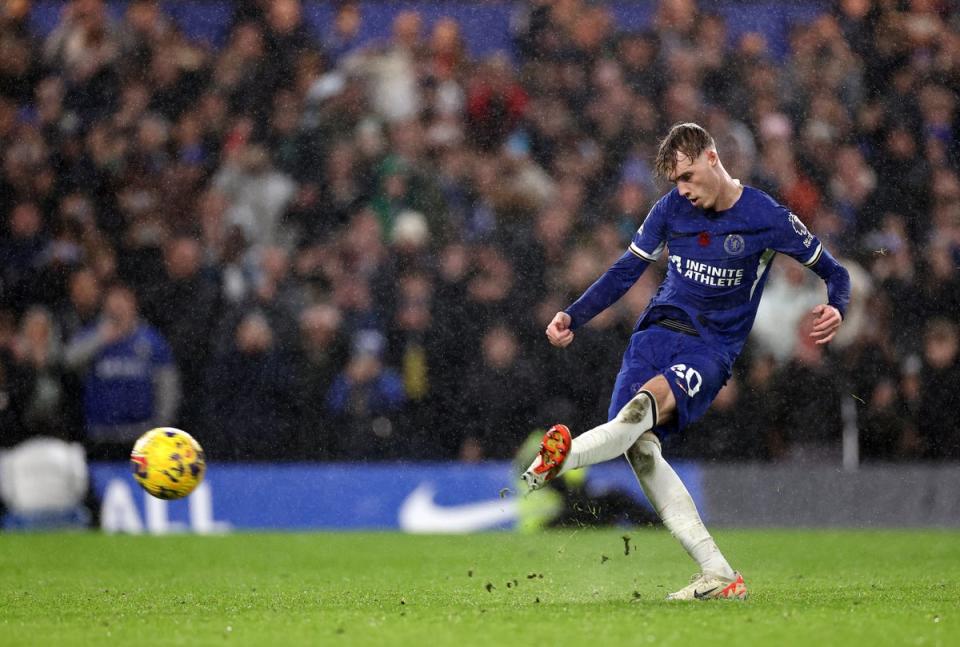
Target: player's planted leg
x,y
602,443
676,508
712,587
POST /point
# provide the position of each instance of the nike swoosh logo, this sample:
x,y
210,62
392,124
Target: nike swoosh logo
x,y
420,513
702,594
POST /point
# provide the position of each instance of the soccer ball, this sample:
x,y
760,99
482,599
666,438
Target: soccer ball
x,y
168,463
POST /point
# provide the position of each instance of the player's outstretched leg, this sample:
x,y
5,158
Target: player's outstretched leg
x,y
602,443
614,438
675,506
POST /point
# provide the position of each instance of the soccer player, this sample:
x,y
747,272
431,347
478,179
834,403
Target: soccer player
x,y
721,237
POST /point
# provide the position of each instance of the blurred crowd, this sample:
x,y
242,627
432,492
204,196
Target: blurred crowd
x,y
302,245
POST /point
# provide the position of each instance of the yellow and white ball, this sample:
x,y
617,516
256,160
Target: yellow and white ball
x,y
168,463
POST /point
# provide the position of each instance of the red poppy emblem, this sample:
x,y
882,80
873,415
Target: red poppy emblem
x,y
703,239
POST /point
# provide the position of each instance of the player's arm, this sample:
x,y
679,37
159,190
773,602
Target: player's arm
x,y
646,246
794,239
830,315
605,291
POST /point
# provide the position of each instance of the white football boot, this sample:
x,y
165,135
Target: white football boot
x,y
712,587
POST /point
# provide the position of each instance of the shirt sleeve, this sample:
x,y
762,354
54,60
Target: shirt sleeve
x,y
648,242
792,238
645,247
612,285
837,279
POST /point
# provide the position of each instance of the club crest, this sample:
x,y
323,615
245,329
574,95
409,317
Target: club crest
x,y
733,244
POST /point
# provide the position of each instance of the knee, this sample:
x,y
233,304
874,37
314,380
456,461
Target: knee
x,y
642,407
644,453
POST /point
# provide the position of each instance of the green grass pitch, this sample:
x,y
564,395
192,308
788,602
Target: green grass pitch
x,y
561,587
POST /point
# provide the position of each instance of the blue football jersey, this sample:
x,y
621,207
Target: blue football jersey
x,y
717,267
118,387
718,261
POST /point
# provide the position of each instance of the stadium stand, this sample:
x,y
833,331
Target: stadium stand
x,y
350,223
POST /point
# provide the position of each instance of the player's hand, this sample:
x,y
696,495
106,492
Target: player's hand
x,y
558,332
826,324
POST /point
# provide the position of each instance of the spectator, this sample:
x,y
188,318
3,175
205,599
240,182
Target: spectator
x,y
252,412
852,187
86,46
130,381
82,304
341,171
364,400
940,283
19,71
757,404
323,351
495,105
258,195
12,397
883,425
939,425
903,180
183,304
719,436
895,269
38,365
21,254
79,311
343,38
501,396
790,295
338,195
287,39
145,27
391,73
411,341
807,392
244,73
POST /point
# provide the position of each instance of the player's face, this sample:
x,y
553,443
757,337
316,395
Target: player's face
x,y
697,180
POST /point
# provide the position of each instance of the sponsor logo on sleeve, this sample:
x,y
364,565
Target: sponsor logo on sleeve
x,y
801,230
